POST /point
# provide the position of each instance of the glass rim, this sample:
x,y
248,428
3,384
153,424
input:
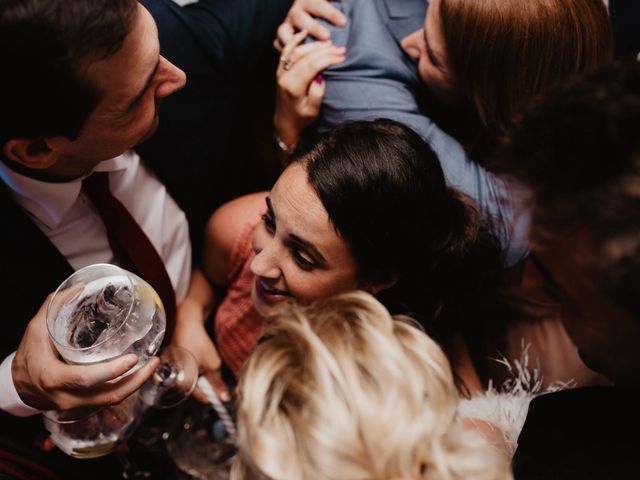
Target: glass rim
x,y
125,273
53,415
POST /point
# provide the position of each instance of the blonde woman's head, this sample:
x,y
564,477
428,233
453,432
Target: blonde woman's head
x,y
341,390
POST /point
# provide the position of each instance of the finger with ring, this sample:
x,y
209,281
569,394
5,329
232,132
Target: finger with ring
x,y
286,63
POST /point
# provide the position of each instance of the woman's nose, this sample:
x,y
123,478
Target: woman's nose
x,y
265,263
412,44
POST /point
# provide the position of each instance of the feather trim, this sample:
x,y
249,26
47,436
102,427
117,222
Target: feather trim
x,y
505,407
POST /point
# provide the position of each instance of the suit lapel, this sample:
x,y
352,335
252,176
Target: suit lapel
x,y
31,268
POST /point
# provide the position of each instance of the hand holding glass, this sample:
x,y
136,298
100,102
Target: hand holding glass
x,y
102,312
97,314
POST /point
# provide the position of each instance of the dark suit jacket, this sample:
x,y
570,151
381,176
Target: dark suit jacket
x,y
584,433
205,150
31,268
625,18
378,79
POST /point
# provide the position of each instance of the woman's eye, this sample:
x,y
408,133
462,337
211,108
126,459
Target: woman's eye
x,y
269,223
303,261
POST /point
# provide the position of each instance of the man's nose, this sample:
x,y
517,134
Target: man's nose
x,y
173,79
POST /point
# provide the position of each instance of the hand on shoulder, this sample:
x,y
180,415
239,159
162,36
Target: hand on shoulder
x,y
302,16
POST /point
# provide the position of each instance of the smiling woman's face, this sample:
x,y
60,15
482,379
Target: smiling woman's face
x,y
299,254
427,47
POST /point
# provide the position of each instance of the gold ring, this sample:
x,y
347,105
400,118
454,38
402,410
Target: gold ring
x,y
286,63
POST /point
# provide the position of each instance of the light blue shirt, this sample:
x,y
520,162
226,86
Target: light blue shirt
x,y
378,80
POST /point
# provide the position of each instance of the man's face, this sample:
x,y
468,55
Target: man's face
x,y
606,335
131,85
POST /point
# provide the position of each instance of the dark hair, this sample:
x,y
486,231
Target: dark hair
x,y
385,193
577,152
43,46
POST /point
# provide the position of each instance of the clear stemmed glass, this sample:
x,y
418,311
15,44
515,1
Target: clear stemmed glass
x,y
173,380
102,312
99,313
91,432
202,442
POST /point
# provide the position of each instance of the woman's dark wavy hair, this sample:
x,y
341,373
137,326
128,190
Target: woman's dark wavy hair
x,y
385,193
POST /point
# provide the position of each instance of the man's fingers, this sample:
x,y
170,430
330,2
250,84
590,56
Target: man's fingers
x,y
104,372
284,35
327,11
82,385
301,20
86,377
111,393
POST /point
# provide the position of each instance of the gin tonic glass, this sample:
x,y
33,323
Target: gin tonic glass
x,y
102,312
97,314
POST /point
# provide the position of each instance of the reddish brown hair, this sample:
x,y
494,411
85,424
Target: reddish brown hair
x,y
504,52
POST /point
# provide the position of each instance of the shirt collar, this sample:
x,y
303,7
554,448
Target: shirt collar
x,y
49,202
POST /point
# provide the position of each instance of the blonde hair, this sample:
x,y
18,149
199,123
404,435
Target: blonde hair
x,y
504,52
341,390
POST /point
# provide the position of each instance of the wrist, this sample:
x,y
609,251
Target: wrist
x,y
190,312
283,146
286,135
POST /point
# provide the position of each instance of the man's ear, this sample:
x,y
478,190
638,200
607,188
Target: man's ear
x,y
35,154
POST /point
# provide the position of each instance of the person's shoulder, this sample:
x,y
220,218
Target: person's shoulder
x,y
224,229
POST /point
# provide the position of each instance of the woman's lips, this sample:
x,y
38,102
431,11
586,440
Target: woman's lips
x,y
267,292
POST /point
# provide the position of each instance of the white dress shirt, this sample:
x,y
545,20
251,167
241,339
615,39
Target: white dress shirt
x,y
70,221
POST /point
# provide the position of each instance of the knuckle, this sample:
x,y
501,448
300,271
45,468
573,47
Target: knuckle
x,y
112,399
76,380
47,383
288,88
317,64
63,403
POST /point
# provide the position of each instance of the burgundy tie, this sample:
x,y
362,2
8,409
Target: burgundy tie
x,y
130,244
